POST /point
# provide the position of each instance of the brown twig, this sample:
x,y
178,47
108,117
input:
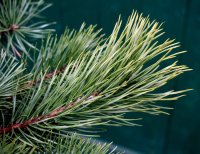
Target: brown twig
x,y
41,118
30,84
47,76
16,52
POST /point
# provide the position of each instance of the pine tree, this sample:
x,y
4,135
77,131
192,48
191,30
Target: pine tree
x,y
56,90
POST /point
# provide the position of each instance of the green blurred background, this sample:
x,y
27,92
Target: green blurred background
x,y
178,133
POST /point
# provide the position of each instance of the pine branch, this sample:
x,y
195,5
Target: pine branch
x,y
53,114
68,145
93,80
30,84
16,24
11,75
119,68
58,52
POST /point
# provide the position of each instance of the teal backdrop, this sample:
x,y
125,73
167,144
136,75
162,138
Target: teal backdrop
x,y
178,133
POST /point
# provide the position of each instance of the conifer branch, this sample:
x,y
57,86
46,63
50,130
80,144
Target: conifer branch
x,y
67,145
38,119
15,24
93,80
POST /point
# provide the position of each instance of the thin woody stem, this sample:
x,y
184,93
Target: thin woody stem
x,y
47,76
16,52
32,83
41,118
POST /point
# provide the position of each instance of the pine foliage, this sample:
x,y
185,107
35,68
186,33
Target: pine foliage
x,y
16,24
77,81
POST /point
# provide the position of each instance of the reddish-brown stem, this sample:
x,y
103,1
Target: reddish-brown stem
x,y
41,118
29,84
17,52
47,76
